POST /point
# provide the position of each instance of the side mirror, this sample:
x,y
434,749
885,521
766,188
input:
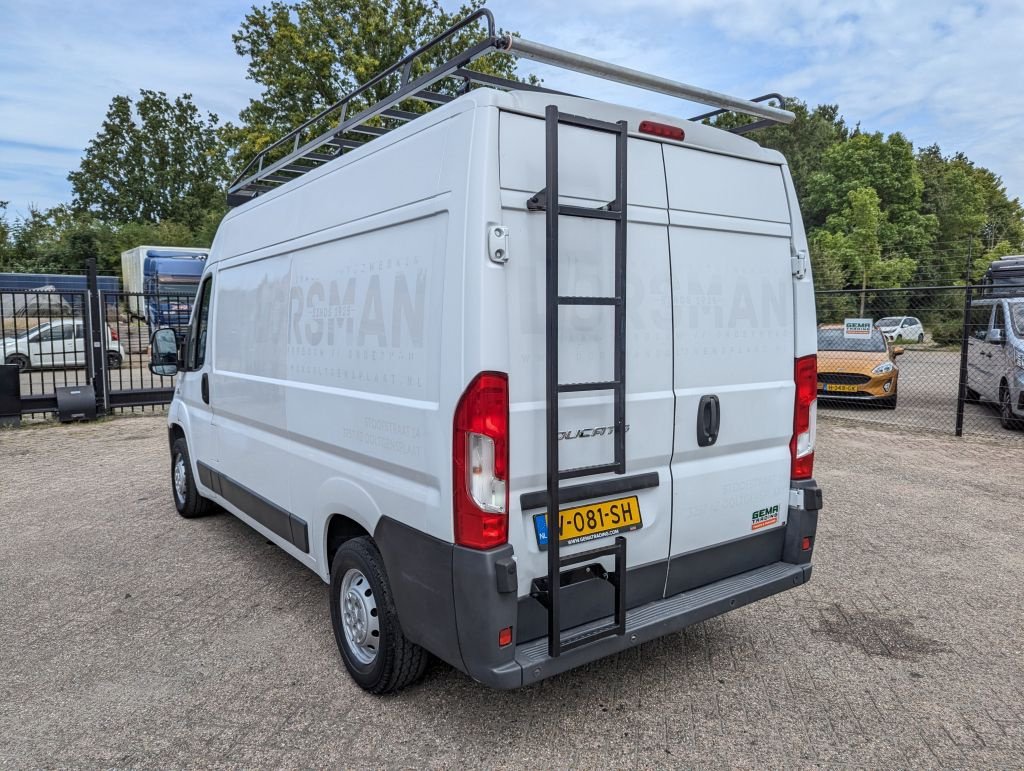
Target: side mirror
x,y
995,336
898,350
163,353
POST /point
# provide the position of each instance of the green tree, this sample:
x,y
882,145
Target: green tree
x,y
307,54
153,159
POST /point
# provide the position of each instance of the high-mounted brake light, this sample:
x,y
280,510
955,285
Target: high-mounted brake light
x,y
662,130
480,463
805,417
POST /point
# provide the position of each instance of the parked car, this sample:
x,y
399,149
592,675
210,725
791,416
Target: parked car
x,y
374,379
995,357
58,343
901,328
861,369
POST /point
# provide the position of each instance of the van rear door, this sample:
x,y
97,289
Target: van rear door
x,y
586,178
732,272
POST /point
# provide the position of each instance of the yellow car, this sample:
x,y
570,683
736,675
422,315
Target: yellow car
x,y
858,369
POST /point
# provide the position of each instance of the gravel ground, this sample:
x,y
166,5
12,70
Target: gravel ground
x,y
132,637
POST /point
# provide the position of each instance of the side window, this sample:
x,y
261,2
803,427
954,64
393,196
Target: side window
x,y
54,334
907,323
980,315
202,323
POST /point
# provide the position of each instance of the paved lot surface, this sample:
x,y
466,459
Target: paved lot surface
x,y
131,637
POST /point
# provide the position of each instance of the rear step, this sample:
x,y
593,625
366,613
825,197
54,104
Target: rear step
x,y
547,200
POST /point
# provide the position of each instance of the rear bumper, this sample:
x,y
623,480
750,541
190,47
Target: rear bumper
x,y
454,601
657,619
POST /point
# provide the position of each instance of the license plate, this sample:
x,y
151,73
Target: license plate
x,y
832,387
595,520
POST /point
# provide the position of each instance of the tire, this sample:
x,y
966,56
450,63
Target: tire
x,y
187,500
114,360
920,338
366,627
20,360
899,338
1006,418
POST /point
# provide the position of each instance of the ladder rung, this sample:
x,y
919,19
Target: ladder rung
x,y
589,300
403,115
586,471
589,636
432,96
339,142
582,211
598,385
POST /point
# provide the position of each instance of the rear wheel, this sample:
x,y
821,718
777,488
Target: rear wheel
x,y
19,360
376,653
920,338
187,499
114,360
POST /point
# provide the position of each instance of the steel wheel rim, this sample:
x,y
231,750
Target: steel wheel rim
x,y
180,480
359,617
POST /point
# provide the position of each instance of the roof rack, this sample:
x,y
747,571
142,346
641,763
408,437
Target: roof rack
x,y
296,153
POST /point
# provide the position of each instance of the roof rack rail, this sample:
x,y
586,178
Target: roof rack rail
x,y
294,154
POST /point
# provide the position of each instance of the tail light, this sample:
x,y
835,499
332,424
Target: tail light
x,y
480,463
113,333
805,417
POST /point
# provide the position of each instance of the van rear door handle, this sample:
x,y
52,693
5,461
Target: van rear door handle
x,y
204,387
709,417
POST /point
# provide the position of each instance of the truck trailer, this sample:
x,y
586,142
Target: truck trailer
x,y
160,282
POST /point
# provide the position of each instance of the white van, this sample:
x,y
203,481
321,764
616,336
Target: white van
x,y
518,302
995,356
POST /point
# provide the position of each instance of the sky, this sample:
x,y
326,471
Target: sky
x,y
945,72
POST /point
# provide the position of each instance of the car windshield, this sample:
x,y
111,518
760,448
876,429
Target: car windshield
x,y
889,321
834,340
1017,317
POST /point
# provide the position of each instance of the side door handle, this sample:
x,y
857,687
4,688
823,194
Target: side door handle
x,y
204,387
709,418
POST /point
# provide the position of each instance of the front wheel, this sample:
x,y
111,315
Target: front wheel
x,y
1006,418
20,361
376,653
187,499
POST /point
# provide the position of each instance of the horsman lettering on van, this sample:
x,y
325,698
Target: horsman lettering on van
x,y
527,379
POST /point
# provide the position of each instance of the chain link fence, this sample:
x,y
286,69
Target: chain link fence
x,y
945,358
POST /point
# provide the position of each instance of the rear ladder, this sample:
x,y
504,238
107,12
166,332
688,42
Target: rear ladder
x,y
616,211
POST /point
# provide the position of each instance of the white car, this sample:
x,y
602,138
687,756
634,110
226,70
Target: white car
x,y
900,329
398,363
58,343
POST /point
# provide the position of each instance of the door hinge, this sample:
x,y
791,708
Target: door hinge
x,y
799,263
497,243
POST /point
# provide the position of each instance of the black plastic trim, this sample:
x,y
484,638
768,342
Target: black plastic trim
x,y
252,504
699,568
572,493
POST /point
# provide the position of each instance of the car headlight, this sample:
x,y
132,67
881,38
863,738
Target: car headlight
x,y
882,369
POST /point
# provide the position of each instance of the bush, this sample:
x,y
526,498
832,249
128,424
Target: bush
x,y
947,332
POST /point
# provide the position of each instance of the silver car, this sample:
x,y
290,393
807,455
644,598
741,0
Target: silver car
x,y
57,343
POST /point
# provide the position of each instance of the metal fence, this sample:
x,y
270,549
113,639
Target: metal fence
x,y
90,338
929,360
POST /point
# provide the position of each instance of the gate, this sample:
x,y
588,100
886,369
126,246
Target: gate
x,y
85,337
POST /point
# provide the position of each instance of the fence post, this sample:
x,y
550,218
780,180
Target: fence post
x,y
961,397
96,334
